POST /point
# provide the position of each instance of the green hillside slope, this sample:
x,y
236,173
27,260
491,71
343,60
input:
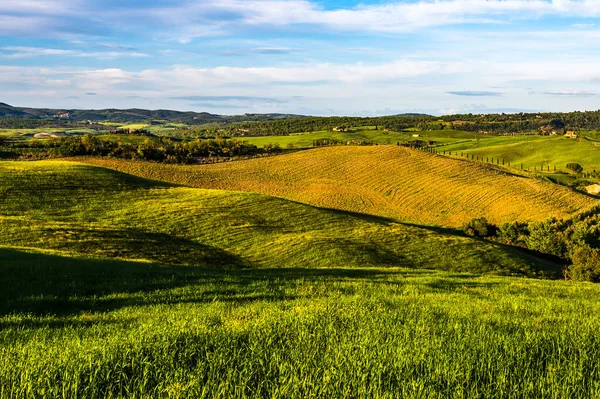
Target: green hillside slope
x,y
78,209
535,151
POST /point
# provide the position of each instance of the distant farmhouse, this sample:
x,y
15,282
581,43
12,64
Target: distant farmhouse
x,y
570,135
593,189
548,130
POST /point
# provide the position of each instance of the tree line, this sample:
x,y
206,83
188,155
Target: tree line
x,y
26,123
575,241
160,150
248,126
541,123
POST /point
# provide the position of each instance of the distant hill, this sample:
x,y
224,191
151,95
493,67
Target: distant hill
x,y
6,111
133,115
409,114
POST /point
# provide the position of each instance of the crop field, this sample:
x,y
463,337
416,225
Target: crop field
x,y
125,138
80,131
388,181
134,126
158,129
113,285
29,133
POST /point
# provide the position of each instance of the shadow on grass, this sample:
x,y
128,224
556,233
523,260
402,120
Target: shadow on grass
x,y
59,323
542,265
451,285
8,155
49,284
37,284
137,244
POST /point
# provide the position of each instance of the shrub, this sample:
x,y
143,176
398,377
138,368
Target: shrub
x,y
557,124
584,233
575,167
585,264
514,233
479,227
545,237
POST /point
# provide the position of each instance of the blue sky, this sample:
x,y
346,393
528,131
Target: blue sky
x,y
336,57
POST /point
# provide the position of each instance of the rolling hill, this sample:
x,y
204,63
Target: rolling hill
x,y
80,210
386,181
536,151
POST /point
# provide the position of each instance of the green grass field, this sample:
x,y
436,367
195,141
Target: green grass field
x,y
125,138
116,286
530,150
305,140
73,327
535,151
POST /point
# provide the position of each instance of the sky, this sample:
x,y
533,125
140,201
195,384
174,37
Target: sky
x,y
328,57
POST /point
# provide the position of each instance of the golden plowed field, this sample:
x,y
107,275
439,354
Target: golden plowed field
x,y
387,181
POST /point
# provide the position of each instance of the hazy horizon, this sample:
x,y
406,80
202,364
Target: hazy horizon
x,y
506,111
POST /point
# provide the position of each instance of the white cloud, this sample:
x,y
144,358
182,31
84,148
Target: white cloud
x,y
401,84
23,25
476,75
404,70
185,20
388,17
583,26
40,18
572,93
38,6
29,52
313,76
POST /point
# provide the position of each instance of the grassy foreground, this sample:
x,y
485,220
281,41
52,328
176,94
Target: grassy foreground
x,y
81,328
